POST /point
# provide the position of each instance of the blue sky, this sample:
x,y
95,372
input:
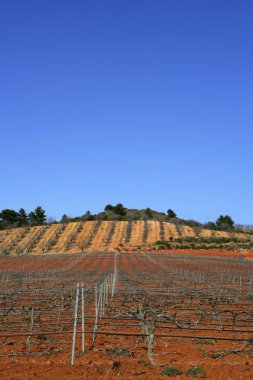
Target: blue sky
x,y
146,103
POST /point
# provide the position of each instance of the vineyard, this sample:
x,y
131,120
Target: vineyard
x,y
103,235
135,314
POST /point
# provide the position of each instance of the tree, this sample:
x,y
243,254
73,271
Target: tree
x,y
225,222
148,213
22,218
171,213
3,225
37,217
65,219
88,216
9,216
119,209
210,226
82,245
109,208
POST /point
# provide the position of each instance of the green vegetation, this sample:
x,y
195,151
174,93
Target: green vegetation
x,y
193,371
225,222
207,243
10,219
171,214
22,218
37,217
171,371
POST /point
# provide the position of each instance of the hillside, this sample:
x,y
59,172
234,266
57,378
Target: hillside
x,y
107,235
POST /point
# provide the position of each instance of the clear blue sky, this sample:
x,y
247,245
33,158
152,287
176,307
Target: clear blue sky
x,y
146,103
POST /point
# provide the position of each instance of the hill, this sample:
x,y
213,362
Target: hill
x,y
120,235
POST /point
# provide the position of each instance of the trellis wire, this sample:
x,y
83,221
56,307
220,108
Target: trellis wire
x,y
107,287
101,297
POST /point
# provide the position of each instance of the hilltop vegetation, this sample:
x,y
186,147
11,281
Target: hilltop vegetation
x,y
116,227
10,218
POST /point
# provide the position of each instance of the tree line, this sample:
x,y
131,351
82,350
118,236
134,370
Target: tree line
x,y
10,218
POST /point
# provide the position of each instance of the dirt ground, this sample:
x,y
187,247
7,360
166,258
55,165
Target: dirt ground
x,y
213,359
99,365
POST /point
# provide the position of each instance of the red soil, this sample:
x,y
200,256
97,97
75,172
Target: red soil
x,y
97,363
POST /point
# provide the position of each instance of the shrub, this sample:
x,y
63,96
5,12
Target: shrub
x,y
171,213
171,371
225,222
193,371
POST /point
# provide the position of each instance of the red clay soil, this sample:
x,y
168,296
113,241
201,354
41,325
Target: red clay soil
x,y
99,365
203,252
197,252
220,360
206,252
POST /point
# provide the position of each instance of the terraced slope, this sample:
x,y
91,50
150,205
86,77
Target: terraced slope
x,y
106,235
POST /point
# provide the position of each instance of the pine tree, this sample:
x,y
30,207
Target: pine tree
x,y
9,216
37,217
120,209
225,222
171,213
22,218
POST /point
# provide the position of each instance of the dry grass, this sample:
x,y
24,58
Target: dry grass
x,y
49,234
76,233
63,239
206,233
137,233
101,236
119,234
188,231
86,231
171,231
24,242
154,231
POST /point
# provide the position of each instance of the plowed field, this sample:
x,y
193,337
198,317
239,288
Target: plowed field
x,y
105,235
136,315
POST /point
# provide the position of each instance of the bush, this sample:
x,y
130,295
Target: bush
x,y
225,222
192,223
194,371
171,213
171,371
210,226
